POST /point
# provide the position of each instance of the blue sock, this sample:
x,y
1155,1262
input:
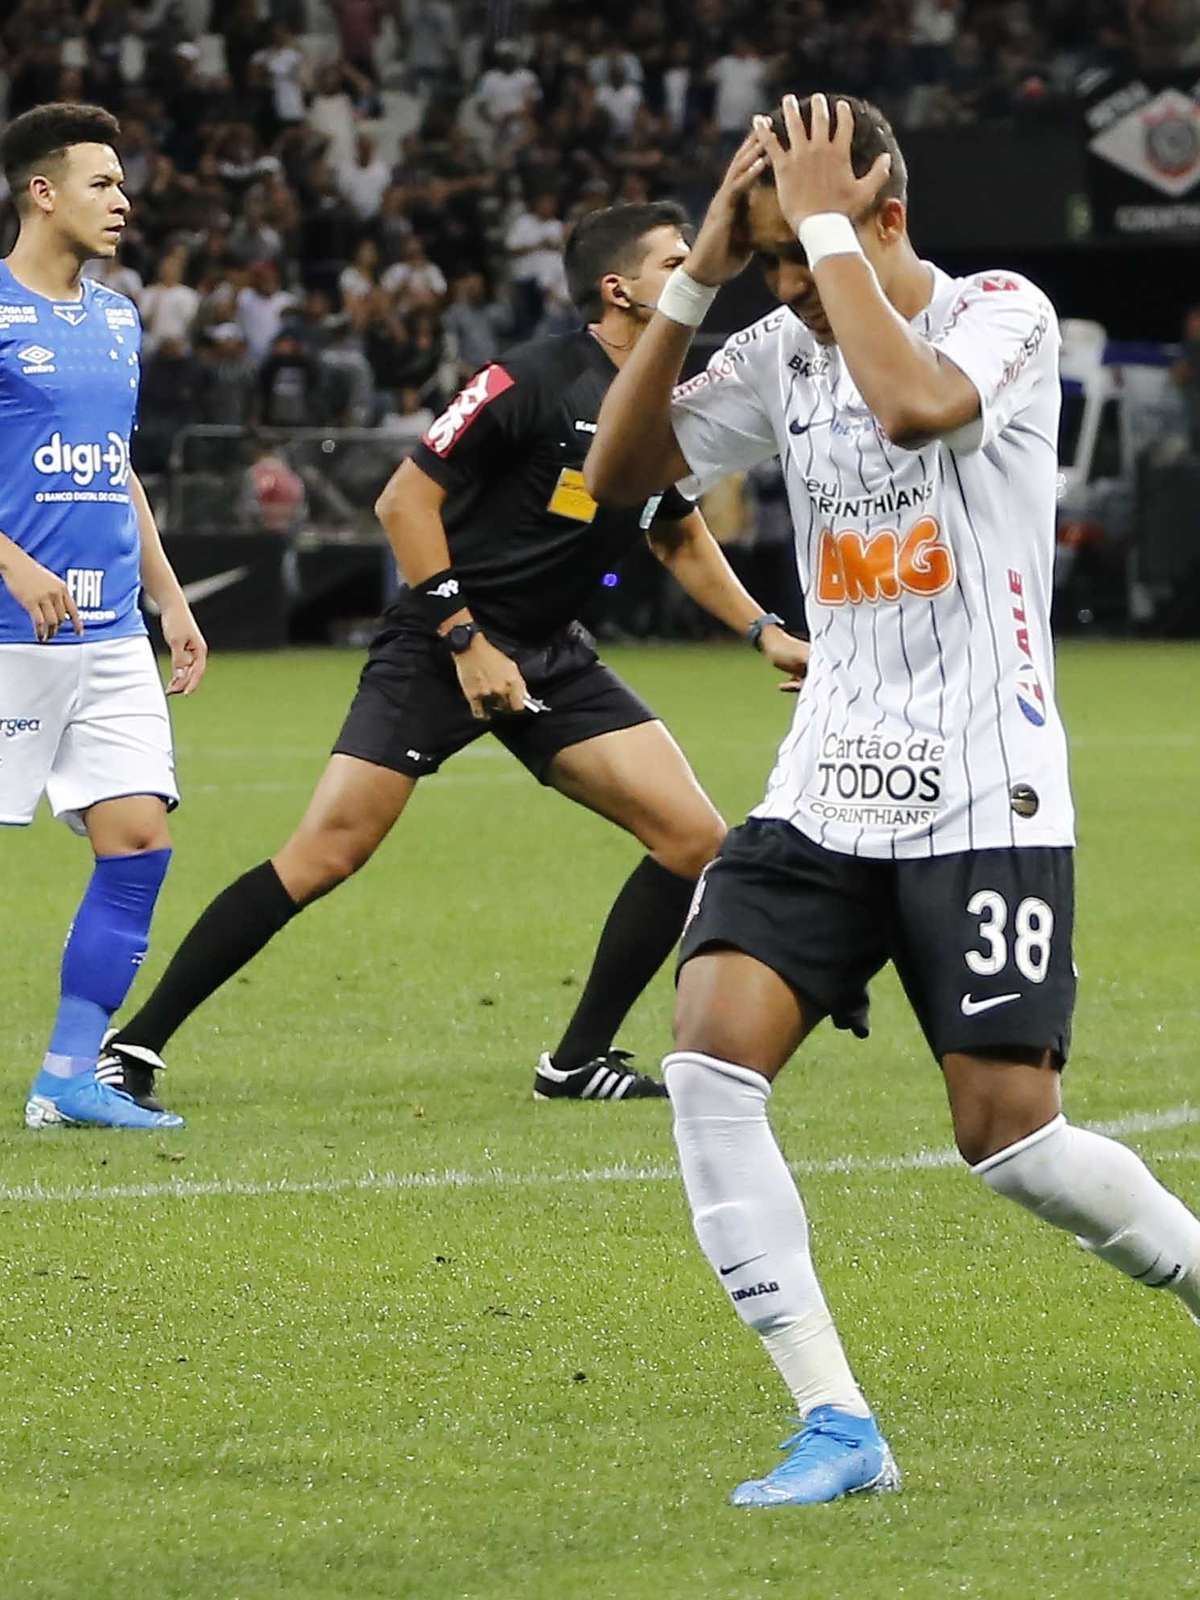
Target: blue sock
x,y
105,947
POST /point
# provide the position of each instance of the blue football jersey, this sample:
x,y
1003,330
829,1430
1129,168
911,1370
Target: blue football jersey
x,y
69,374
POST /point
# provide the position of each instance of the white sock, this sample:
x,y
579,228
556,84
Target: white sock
x,y
1107,1197
751,1225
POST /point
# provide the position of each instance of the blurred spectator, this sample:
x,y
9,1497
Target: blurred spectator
x,y
115,273
620,96
534,244
252,238
286,72
933,30
168,305
414,281
740,80
600,67
392,224
137,156
507,89
291,386
329,230
272,497
411,418
260,309
432,39
361,276
676,97
171,379
474,327
332,111
365,179
358,28
227,383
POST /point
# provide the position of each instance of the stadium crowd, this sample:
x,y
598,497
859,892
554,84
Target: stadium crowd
x,y
341,207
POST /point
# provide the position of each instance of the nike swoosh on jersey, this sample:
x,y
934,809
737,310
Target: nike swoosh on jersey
x,y
202,588
970,1006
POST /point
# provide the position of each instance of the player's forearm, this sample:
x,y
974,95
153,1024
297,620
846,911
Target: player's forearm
x,y
699,567
11,554
410,511
896,371
634,452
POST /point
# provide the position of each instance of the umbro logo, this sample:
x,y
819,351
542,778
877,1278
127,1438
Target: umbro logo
x,y
36,358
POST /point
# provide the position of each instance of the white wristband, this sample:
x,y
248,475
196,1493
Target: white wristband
x,y
684,300
828,233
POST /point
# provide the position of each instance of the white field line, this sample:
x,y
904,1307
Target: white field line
x,y
499,1177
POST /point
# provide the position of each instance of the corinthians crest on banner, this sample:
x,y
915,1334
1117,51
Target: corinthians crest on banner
x,y
1144,145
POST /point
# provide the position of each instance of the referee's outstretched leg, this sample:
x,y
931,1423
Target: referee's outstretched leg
x,y
636,776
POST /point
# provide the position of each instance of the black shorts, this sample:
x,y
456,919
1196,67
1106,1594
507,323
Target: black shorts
x,y
981,939
409,712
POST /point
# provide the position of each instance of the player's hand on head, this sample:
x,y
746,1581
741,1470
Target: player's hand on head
x,y
491,681
44,595
189,650
722,246
787,654
815,174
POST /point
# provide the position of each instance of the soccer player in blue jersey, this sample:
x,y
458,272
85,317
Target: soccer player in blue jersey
x,y
82,713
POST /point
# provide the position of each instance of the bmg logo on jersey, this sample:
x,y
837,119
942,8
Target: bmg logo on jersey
x,y
853,567
84,462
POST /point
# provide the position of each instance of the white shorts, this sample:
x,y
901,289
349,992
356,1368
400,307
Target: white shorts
x,y
80,724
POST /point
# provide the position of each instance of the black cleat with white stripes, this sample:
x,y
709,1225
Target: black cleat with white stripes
x,y
605,1078
131,1067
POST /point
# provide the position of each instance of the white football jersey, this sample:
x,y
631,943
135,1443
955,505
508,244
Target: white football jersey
x,y
928,723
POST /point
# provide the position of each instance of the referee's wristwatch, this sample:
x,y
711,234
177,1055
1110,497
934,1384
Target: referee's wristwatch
x,y
461,635
755,631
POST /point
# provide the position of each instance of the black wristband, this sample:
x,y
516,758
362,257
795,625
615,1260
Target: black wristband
x,y
755,631
440,596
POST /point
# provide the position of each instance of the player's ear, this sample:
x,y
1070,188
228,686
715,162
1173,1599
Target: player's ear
x,y
614,293
891,220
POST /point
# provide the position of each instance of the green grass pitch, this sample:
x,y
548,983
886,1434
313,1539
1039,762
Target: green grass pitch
x,y
377,1325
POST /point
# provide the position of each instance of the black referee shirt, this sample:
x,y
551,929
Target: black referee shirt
x,y
527,541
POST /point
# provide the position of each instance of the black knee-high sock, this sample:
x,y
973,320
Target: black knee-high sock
x,y
228,932
642,928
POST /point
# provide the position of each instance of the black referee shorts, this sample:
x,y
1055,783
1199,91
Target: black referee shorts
x,y
410,714
981,939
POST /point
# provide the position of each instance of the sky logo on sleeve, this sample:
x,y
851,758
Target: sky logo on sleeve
x,y
445,431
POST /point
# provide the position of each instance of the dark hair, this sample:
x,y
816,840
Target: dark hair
x,y
610,240
45,134
872,138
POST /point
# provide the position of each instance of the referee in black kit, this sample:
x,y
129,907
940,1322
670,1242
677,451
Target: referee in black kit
x,y
501,544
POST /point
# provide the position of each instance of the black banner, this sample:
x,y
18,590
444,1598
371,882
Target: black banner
x,y
234,583
1143,143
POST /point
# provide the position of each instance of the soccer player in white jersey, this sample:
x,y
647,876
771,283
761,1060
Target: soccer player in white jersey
x,y
82,714
919,810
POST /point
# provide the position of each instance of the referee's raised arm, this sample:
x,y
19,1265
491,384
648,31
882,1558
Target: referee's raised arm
x,y
635,453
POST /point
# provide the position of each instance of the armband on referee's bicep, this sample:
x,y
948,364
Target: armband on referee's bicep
x,y
440,596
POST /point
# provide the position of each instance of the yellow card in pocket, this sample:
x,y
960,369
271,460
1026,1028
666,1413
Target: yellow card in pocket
x,y
570,497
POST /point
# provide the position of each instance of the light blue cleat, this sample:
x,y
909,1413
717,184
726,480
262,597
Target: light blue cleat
x,y
83,1102
833,1455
